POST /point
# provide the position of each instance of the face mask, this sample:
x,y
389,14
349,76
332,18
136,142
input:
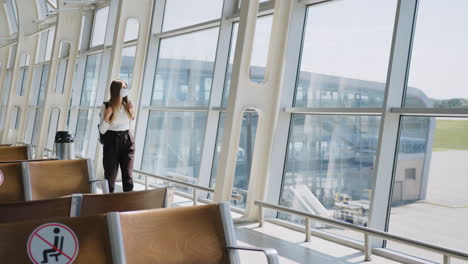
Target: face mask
x,y
123,92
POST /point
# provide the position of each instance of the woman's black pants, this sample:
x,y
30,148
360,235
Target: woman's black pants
x,y
119,149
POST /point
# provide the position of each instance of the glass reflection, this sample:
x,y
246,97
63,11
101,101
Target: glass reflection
x,y
174,144
244,155
344,61
184,72
429,185
126,67
330,166
89,89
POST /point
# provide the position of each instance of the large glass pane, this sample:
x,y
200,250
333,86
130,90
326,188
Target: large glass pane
x,y
345,54
5,97
81,131
53,125
259,53
99,26
182,13
184,72
50,43
429,200
244,155
174,143
439,59
43,85
22,76
260,48
131,30
64,53
88,93
126,67
330,167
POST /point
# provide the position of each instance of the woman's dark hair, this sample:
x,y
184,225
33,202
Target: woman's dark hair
x,y
115,87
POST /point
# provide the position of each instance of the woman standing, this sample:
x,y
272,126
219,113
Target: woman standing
x,y
119,144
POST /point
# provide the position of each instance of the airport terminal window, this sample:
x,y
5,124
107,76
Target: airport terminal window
x,y
439,57
50,42
99,26
432,207
5,97
259,53
126,67
329,168
346,49
244,155
174,143
182,70
23,74
193,12
82,130
53,125
64,53
89,89
88,98
131,30
260,48
15,120
36,107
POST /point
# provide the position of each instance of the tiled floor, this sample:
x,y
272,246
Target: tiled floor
x,y
292,249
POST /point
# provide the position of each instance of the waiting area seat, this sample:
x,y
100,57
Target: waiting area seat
x,y
52,179
86,205
10,153
12,187
91,232
47,179
198,234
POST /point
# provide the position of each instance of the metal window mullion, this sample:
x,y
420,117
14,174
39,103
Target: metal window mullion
x,y
188,29
334,111
390,122
216,96
149,74
292,67
434,112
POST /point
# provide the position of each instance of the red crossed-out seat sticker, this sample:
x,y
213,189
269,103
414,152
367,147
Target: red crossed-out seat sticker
x,y
52,243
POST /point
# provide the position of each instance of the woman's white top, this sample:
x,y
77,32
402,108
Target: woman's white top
x,y
121,121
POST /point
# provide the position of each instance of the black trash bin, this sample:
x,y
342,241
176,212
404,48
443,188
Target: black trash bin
x,y
64,145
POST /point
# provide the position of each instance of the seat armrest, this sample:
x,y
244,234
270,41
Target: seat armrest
x,y
270,253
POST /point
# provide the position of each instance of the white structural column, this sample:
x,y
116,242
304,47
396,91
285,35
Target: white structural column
x,y
222,61
27,44
292,64
140,10
389,127
67,30
147,81
4,35
264,98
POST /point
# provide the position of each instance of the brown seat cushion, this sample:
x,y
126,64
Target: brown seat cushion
x,y
11,190
176,235
94,204
57,178
43,209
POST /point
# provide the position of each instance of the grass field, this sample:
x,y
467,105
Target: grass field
x,y
451,134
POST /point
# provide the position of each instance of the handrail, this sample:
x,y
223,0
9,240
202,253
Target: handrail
x,y
446,252
194,187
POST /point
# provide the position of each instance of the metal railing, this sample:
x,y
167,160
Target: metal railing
x,y
368,232
195,188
